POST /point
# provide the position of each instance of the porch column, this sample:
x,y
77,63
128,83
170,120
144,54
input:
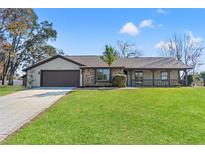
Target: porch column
x,y
131,78
178,75
169,77
81,77
153,78
186,78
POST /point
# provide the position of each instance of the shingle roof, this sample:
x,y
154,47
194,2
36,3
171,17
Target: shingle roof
x,y
93,61
139,62
130,63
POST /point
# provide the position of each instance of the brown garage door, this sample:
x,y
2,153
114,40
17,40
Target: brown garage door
x,y
60,78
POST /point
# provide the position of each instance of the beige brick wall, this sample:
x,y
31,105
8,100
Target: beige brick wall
x,y
174,74
88,77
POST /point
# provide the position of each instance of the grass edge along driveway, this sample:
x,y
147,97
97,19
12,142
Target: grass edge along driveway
x,y
5,90
132,116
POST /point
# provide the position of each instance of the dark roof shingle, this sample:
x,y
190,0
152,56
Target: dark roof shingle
x,y
139,62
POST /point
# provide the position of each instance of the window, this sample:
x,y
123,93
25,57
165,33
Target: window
x,y
138,75
102,74
164,76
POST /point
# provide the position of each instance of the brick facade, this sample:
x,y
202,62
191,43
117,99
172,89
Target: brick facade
x,y
89,77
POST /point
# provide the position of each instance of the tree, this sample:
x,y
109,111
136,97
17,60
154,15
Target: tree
x,y
23,39
202,74
5,47
187,49
109,55
127,50
5,57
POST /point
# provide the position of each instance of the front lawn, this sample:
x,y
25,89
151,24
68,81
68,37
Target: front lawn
x,y
5,90
132,116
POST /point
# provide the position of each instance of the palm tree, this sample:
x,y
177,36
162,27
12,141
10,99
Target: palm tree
x,y
202,74
109,55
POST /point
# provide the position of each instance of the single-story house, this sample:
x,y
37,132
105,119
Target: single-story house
x,y
85,71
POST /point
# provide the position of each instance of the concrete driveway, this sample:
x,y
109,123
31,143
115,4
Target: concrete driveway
x,y
19,108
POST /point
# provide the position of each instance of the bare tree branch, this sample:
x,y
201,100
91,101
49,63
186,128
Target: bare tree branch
x,y
127,50
186,49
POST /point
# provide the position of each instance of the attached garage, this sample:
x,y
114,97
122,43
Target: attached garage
x,y
60,78
56,71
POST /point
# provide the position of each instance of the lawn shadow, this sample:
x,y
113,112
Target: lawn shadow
x,y
56,93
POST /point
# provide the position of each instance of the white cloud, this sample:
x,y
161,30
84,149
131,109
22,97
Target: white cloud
x,y
168,44
161,44
194,39
129,28
146,23
165,45
162,11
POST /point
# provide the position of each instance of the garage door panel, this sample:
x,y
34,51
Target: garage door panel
x,y
60,78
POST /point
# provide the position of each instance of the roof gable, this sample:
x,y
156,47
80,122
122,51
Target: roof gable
x,y
50,59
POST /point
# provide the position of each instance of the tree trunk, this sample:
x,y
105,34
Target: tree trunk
x,y
12,72
3,80
4,75
11,76
5,68
11,79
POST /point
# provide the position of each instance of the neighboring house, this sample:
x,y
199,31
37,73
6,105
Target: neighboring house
x,y
80,71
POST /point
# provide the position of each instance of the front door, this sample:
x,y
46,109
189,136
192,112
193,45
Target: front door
x,y
139,78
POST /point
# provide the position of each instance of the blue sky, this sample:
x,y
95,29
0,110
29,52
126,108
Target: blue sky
x,y
86,31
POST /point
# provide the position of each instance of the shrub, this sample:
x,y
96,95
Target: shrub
x,y
119,80
197,81
190,79
202,74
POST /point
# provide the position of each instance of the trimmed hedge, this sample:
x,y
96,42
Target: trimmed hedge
x,y
119,80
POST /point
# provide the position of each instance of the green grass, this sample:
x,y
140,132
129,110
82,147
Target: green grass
x,y
5,90
137,116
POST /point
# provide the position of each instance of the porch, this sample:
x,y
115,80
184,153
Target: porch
x,y
155,78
